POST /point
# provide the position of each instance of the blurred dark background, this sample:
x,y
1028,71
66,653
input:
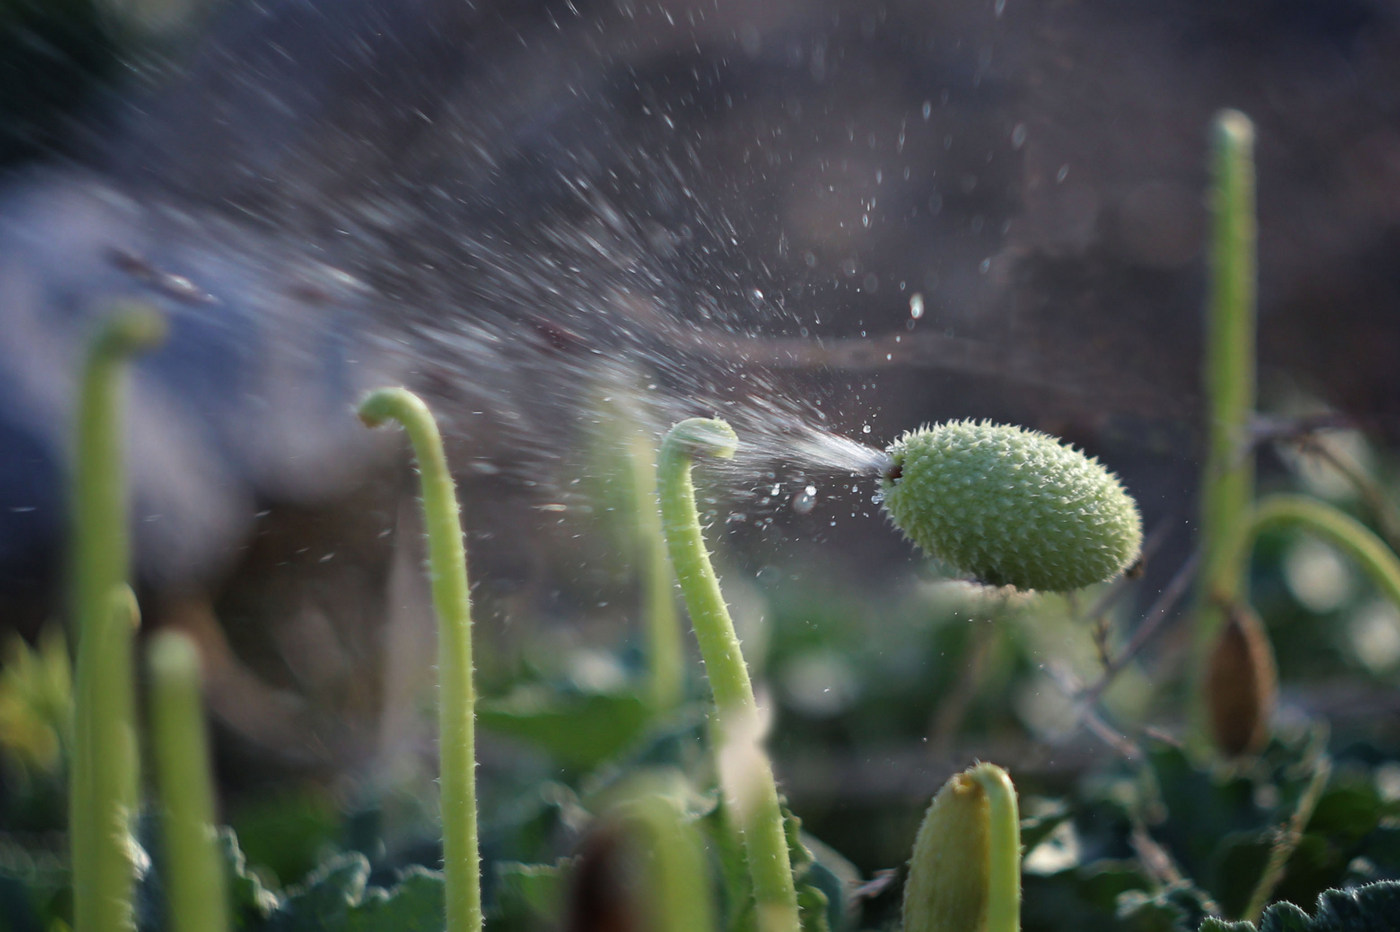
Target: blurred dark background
x,y
866,214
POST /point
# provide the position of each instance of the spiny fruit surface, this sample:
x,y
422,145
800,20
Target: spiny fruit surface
x,y
1010,507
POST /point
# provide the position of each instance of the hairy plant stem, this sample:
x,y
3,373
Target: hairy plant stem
x,y
1227,484
194,874
103,787
746,774
447,566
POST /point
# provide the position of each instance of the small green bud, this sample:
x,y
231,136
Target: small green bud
x,y
965,872
1011,507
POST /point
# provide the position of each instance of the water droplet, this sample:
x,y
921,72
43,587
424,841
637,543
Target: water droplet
x,y
985,265
999,8
803,502
865,429
1062,174
928,109
916,305
1018,136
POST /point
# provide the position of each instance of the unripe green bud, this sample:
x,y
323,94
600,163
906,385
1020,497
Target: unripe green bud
x,y
965,872
1010,507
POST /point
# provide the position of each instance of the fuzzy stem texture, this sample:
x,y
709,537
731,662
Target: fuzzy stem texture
x,y
194,876
1227,485
447,567
103,787
748,783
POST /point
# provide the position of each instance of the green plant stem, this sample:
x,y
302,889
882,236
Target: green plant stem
x,y
1288,841
103,788
756,799
447,563
1004,849
1227,485
665,652
1341,530
194,875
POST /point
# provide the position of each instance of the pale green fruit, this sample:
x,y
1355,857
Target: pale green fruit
x,y
1010,507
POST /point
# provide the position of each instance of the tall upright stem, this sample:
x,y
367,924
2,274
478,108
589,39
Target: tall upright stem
x,y
197,888
1227,485
746,774
103,788
447,567
665,652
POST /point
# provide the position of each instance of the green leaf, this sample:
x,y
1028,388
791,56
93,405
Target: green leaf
x,y
579,730
532,895
813,908
336,898
1179,908
1037,829
823,876
414,904
250,901
1372,908
324,899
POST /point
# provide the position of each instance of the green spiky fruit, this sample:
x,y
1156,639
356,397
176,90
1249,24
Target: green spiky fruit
x,y
1010,507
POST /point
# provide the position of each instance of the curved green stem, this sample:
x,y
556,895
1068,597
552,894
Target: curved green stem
x,y
1342,531
447,566
748,782
197,889
1004,849
103,787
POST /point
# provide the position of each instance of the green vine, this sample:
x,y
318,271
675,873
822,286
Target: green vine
x,y
103,789
447,565
745,771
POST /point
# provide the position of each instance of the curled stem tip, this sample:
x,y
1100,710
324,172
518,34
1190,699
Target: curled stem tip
x,y
173,659
1234,129
702,436
131,329
392,404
